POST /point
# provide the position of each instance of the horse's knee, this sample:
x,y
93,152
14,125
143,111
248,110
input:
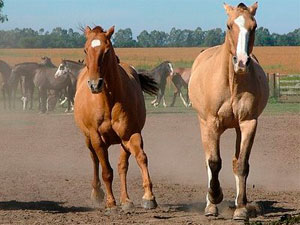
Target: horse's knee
x,y
107,175
240,168
122,167
215,165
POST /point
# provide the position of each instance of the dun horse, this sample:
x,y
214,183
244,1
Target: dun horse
x,y
228,88
5,70
181,78
110,109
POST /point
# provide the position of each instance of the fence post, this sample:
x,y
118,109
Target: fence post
x,y
271,85
277,85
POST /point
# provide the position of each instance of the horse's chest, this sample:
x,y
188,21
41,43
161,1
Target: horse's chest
x,y
107,133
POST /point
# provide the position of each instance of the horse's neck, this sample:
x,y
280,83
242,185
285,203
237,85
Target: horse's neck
x,y
113,83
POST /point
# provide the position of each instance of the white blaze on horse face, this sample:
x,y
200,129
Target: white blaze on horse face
x,y
59,72
171,68
242,45
95,43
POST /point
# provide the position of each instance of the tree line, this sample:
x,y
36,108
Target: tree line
x,y
63,38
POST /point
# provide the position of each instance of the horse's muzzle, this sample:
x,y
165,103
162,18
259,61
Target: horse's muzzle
x,y
240,64
96,85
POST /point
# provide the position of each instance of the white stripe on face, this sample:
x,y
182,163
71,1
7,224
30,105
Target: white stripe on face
x,y
171,68
242,45
95,43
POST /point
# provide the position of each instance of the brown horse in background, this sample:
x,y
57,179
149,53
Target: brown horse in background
x,y
229,89
180,78
5,71
110,109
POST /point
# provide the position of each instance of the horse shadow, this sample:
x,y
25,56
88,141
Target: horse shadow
x,y
46,206
226,208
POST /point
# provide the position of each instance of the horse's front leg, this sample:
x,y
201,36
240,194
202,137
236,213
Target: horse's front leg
x,y
126,203
107,172
245,138
135,146
97,194
210,135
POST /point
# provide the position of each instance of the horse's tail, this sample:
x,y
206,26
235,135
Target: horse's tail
x,y
148,84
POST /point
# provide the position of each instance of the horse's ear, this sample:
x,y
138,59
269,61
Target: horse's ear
x,y
110,32
253,8
87,31
228,8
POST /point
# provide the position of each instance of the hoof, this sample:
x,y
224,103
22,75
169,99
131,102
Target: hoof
x,y
127,206
149,204
241,214
111,210
211,210
97,196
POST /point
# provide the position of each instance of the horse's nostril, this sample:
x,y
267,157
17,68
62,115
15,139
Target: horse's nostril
x,y
248,61
234,58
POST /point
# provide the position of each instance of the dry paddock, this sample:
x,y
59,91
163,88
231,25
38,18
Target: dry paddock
x,y
45,171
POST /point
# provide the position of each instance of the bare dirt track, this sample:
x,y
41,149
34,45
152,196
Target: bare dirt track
x,y
45,171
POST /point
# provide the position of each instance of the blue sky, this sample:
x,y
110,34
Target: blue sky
x,y
280,16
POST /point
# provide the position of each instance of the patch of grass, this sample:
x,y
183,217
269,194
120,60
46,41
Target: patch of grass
x,y
183,64
273,67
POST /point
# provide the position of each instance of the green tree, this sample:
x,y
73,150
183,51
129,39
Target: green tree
x,y
263,37
3,18
123,38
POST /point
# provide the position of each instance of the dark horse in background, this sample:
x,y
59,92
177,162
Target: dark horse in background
x,y
24,73
71,68
5,71
160,75
46,82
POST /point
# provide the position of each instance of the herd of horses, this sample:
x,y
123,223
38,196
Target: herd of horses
x,y
55,83
227,87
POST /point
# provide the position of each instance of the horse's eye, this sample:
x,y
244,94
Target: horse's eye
x,y
84,51
228,27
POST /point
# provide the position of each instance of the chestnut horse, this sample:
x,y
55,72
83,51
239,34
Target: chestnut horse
x,y
109,108
229,89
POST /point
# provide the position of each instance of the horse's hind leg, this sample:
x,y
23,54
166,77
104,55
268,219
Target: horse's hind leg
x,y
107,172
245,138
97,194
126,203
135,146
211,141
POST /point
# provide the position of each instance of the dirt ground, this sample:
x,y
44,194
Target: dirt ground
x,y
46,172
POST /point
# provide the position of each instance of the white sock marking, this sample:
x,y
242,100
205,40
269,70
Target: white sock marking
x,y
209,175
237,183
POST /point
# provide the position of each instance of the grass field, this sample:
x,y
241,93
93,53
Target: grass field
x,y
284,60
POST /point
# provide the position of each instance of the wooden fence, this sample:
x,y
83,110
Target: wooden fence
x,y
285,88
